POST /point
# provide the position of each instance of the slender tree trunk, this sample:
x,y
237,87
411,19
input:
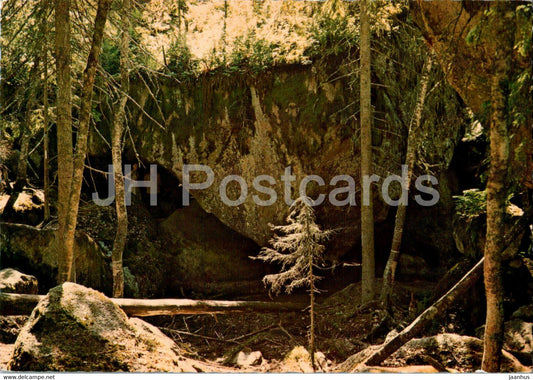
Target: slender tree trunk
x,y
224,30
116,150
367,213
46,144
312,348
179,16
64,127
501,22
410,160
496,194
22,167
21,178
89,74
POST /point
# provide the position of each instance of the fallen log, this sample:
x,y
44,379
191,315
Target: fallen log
x,y
378,354
146,308
23,304
408,369
18,304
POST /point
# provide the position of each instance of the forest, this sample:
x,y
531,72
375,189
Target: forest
x,y
266,186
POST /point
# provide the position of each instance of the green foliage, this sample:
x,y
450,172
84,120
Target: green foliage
x,y
520,86
254,53
473,35
472,203
110,57
519,97
10,129
96,115
180,61
332,32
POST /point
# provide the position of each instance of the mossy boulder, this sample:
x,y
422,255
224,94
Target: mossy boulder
x,y
291,115
469,232
13,281
75,328
35,250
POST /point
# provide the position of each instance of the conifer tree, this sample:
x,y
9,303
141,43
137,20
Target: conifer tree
x,y
298,247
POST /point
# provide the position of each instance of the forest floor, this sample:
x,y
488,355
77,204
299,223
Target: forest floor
x,y
276,341
341,329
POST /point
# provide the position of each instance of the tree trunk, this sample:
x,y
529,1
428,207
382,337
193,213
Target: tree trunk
x,y
46,174
410,160
26,133
67,244
497,189
116,151
478,71
367,213
496,198
21,178
64,126
22,165
312,313
418,325
23,304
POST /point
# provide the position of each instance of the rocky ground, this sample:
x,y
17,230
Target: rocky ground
x,y
264,342
75,326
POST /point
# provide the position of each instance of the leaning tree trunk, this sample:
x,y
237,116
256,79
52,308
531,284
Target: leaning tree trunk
x,y
410,160
116,150
64,126
67,248
497,195
367,213
418,325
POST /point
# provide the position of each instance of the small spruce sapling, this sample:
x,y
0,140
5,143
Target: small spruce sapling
x,y
298,247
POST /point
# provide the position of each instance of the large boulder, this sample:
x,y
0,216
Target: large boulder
x,y
13,281
75,328
460,352
518,340
469,231
29,247
28,206
452,351
524,312
470,67
208,257
295,116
